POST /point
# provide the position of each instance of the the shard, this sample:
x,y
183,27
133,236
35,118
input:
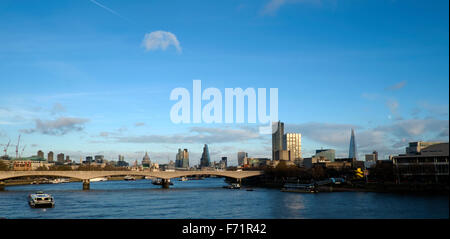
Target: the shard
x,y
352,150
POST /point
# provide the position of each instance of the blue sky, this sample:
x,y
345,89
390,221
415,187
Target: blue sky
x,y
77,77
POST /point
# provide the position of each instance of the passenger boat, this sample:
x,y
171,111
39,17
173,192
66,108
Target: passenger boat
x,y
40,200
299,188
129,178
183,179
158,181
233,186
60,180
99,179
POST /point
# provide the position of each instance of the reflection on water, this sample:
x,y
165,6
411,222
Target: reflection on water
x,y
207,199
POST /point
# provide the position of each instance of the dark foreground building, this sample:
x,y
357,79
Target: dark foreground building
x,y
426,165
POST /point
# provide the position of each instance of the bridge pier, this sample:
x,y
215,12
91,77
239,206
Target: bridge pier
x,y
86,184
2,186
165,183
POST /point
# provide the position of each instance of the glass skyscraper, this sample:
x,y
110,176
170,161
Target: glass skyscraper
x,y
205,160
352,150
182,159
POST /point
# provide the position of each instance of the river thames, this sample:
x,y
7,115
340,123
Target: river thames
x,y
207,199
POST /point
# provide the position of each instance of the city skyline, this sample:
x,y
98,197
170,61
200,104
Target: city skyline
x,y
87,79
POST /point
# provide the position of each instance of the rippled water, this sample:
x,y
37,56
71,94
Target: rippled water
x,y
207,199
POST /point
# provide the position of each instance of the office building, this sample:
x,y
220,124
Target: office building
x,y
423,164
122,162
258,162
352,149
50,157
328,154
89,159
371,159
284,155
416,147
292,142
277,138
285,146
224,163
60,158
99,158
40,154
241,156
205,161
182,159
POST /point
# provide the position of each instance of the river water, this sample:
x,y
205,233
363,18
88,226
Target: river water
x,y
207,199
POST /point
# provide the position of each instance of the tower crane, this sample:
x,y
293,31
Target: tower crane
x,y
17,147
6,148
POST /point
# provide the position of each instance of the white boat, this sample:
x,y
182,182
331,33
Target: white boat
x,y
60,180
233,186
129,178
40,199
101,179
183,179
56,181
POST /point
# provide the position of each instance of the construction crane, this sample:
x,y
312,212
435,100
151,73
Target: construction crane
x,y
23,149
6,148
17,147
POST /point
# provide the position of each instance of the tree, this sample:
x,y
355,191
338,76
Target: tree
x,y
383,172
318,172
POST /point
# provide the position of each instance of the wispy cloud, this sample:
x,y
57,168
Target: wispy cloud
x,y
328,133
57,108
60,126
393,106
195,135
273,6
397,86
160,40
139,124
109,10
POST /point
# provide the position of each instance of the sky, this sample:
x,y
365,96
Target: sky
x,y
90,77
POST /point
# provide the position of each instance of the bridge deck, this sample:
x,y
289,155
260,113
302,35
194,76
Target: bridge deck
x,y
84,175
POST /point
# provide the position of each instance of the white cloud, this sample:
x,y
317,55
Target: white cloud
x,y
393,106
160,40
57,108
139,124
60,126
273,5
397,86
196,135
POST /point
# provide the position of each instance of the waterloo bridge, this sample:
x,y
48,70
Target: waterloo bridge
x,y
86,176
